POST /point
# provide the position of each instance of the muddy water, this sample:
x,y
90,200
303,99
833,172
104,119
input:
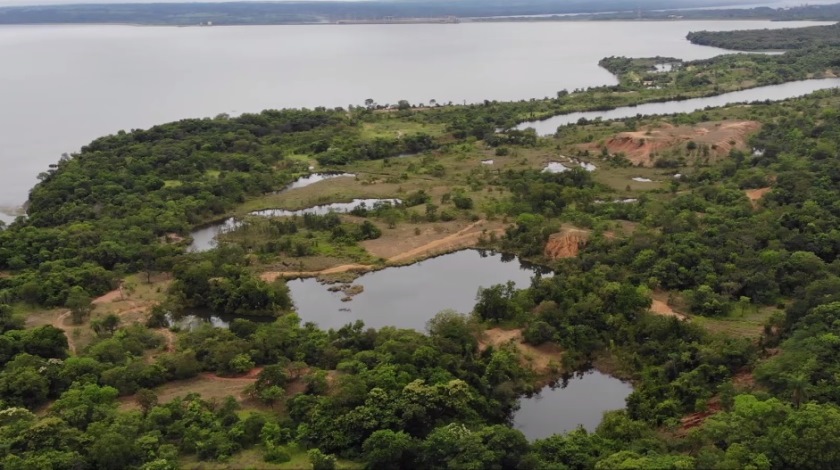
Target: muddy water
x,y
773,92
408,297
580,401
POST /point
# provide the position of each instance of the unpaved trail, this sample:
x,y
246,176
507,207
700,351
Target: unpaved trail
x,y
59,323
540,358
661,308
755,195
271,276
462,238
251,376
170,338
110,297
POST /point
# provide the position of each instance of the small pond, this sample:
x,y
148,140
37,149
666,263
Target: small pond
x,y
305,181
409,296
579,401
327,208
773,92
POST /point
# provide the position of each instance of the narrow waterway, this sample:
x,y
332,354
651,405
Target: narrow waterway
x,y
773,92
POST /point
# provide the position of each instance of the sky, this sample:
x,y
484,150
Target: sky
x,y
747,3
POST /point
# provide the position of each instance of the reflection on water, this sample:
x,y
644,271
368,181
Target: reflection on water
x,y
580,400
409,296
773,92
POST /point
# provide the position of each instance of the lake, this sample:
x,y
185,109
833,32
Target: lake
x,y
62,86
581,401
772,92
408,297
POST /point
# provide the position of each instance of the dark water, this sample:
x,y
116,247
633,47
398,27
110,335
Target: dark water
x,y
582,402
772,92
408,297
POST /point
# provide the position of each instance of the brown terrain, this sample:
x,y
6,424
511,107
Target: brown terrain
x,y
542,359
755,195
639,147
566,243
401,248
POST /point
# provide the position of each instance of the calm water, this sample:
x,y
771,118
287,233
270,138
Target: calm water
x,y
204,238
408,297
582,402
773,92
63,86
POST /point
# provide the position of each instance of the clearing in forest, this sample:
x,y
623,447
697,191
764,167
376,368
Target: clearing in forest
x,y
755,195
542,359
712,139
566,243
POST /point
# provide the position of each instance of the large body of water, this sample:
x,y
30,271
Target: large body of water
x,y
63,86
772,92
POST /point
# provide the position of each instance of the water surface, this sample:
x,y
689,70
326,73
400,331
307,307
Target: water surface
x,y
771,92
62,86
408,297
581,402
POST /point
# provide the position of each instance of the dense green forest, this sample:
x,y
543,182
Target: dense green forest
x,y
770,39
744,375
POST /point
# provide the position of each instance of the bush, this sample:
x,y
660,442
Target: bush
x,y
539,332
320,460
276,454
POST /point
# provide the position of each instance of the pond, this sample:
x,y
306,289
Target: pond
x,y
773,92
327,208
409,296
579,401
204,238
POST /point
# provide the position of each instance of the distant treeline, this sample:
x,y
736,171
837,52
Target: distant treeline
x,y
241,13
770,39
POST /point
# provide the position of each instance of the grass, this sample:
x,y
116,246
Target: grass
x,y
252,458
738,324
391,128
172,183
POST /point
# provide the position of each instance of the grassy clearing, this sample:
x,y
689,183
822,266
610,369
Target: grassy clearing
x,y
738,325
392,128
252,458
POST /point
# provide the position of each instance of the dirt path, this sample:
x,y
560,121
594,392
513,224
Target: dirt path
x,y
59,323
170,338
661,308
251,376
540,358
755,195
110,297
464,238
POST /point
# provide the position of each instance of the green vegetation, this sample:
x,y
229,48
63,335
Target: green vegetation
x,y
748,381
770,39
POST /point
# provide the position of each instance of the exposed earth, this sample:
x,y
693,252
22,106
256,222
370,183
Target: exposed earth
x,y
641,147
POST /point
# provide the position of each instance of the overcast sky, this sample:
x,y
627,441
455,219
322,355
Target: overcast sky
x,y
676,3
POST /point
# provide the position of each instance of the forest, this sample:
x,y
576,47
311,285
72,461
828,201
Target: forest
x,y
770,39
732,229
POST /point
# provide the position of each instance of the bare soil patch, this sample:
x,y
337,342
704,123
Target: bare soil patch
x,y
542,359
401,248
659,307
755,195
640,146
566,243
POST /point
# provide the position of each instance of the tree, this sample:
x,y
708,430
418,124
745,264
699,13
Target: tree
x,y
79,303
386,449
270,395
146,399
320,460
